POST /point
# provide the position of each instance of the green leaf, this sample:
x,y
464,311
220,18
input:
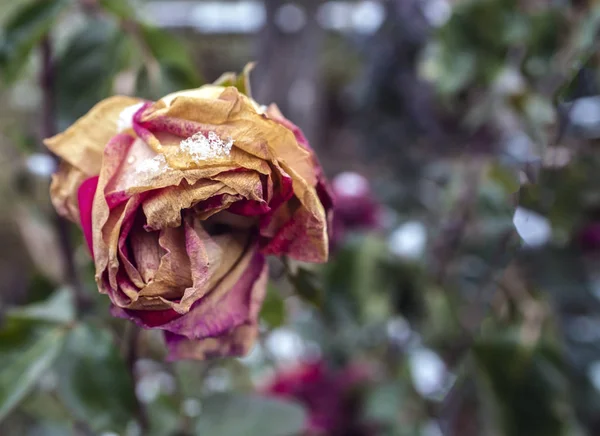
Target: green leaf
x,y
59,308
30,341
27,350
163,80
94,382
87,68
121,8
41,405
273,309
164,415
23,31
384,403
307,286
171,54
241,81
249,415
505,177
528,384
356,276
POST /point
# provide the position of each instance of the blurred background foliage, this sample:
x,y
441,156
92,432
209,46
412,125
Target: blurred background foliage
x,y
462,135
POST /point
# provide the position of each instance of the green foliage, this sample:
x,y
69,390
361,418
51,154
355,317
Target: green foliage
x,y
86,70
528,383
23,31
249,415
239,81
384,403
173,70
307,285
94,382
475,43
273,309
360,272
120,8
31,339
564,194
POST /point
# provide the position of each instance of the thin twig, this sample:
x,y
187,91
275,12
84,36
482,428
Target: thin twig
x,y
456,227
130,359
49,129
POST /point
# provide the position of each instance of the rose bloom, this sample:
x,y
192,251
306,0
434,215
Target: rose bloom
x,y
356,208
181,199
332,398
588,237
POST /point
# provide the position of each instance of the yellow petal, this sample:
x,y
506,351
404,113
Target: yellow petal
x,y
63,190
81,145
164,209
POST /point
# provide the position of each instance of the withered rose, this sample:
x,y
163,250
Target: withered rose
x,y
180,200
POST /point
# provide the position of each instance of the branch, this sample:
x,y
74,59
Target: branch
x,y
62,227
130,359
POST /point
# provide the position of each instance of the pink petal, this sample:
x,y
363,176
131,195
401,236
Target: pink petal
x,y
85,198
213,326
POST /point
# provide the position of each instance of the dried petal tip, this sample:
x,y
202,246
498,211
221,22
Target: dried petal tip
x,y
125,120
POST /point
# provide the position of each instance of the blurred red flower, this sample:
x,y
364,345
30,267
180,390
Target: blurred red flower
x,y
355,206
332,398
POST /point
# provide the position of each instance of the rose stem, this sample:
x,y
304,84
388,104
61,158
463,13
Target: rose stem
x,y
48,130
133,339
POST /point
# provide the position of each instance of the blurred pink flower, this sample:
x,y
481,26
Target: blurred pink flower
x,y
355,206
589,237
331,397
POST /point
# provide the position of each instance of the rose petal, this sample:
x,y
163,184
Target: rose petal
x,y
303,238
82,144
211,259
145,318
106,222
174,273
146,250
234,303
164,208
85,200
237,342
64,190
227,328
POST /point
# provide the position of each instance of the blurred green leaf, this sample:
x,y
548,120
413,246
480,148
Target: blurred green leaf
x,y
23,30
50,429
120,8
560,193
528,384
307,286
30,341
164,415
59,308
27,350
86,70
175,61
358,276
384,403
505,177
94,382
249,415
164,79
561,273
239,81
273,309
42,405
